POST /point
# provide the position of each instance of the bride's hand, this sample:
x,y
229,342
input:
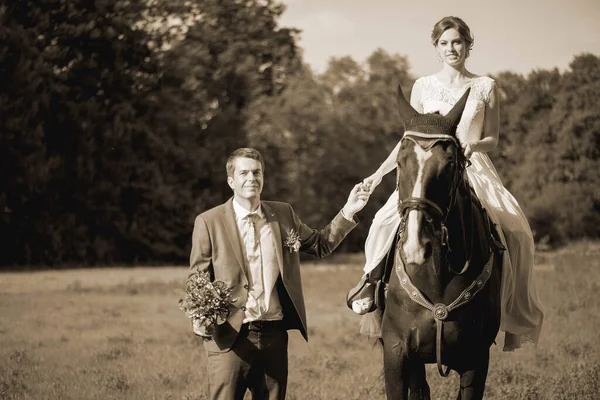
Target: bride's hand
x,y
371,182
468,149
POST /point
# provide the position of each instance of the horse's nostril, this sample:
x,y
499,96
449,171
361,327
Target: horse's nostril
x,y
427,250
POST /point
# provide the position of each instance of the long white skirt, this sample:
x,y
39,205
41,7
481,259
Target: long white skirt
x,y
522,313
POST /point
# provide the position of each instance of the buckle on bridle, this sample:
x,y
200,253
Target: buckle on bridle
x,y
444,238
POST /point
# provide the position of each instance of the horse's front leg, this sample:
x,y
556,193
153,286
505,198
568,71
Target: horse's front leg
x,y
404,378
472,381
418,389
394,361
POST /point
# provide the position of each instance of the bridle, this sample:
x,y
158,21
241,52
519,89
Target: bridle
x,y
433,212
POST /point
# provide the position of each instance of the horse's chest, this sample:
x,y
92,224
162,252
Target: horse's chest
x,y
420,335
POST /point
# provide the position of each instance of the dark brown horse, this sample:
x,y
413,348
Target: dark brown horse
x,y
443,297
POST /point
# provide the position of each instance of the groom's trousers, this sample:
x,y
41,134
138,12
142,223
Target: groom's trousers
x,y
258,361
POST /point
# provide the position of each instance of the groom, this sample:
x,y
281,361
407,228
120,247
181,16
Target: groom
x,y
253,246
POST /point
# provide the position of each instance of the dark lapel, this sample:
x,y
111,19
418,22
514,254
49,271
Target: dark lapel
x,y
276,231
230,225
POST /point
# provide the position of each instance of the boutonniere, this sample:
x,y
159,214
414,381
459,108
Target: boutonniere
x,y
292,240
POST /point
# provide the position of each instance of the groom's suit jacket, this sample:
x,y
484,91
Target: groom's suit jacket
x,y
217,248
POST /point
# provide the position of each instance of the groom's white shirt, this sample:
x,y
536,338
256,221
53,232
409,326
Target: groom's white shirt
x,y
267,306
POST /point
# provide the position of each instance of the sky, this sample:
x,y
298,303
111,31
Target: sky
x,y
516,35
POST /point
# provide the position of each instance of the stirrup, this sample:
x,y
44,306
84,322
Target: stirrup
x,y
380,294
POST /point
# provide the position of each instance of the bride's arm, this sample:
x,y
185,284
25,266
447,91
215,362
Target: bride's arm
x,y
415,97
390,162
388,165
491,125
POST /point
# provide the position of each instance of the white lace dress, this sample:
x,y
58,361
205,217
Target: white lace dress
x,y
522,314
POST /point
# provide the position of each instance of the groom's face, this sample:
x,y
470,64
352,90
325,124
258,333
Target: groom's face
x,y
247,179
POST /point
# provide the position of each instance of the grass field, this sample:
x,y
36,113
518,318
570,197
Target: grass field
x,y
118,334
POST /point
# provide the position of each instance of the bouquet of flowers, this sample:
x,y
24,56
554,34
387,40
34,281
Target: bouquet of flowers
x,y
204,301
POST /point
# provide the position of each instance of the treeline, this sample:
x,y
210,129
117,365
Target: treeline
x,y
116,118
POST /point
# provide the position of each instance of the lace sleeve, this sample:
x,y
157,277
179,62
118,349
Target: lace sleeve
x,y
488,85
418,85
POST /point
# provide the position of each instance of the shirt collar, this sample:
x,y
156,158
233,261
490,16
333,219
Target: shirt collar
x,y
241,212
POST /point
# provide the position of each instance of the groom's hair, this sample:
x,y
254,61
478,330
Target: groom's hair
x,y
244,152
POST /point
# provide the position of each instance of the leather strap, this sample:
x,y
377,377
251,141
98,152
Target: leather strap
x,y
439,324
440,311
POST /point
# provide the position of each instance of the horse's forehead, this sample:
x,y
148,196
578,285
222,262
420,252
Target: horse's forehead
x,y
422,154
422,147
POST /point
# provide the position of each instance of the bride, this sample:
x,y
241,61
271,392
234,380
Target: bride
x,y
477,131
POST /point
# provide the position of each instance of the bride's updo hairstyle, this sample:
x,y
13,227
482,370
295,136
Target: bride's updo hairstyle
x,y
453,22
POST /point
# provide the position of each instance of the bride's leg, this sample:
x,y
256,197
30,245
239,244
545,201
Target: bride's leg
x,y
381,235
523,315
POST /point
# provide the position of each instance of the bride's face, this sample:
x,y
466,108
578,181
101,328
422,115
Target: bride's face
x,y
452,48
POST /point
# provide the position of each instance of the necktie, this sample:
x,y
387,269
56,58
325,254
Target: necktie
x,y
252,243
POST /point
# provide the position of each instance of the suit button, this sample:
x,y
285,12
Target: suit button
x,y
246,287
243,308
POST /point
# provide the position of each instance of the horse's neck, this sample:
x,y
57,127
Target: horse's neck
x,y
467,241
434,281
466,236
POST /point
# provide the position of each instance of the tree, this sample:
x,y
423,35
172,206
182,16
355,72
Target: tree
x,y
123,129
557,175
333,130
84,72
233,57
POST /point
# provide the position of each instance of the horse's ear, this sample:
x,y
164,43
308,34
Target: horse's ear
x,y
456,112
404,108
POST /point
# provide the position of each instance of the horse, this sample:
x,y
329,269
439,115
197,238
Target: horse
x,y
442,301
